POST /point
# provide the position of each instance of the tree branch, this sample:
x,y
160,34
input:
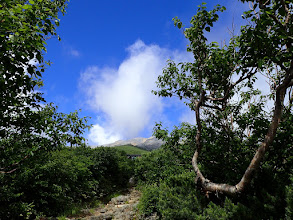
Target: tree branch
x,y
13,165
276,19
242,78
213,107
7,172
287,11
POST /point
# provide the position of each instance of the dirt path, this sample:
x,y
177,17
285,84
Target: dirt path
x,y
122,207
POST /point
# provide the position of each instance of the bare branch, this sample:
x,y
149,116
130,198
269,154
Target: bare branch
x,y
213,107
287,11
276,19
269,76
287,81
13,165
242,78
251,6
7,172
291,96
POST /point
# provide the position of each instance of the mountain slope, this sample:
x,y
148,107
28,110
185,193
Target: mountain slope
x,y
143,143
131,150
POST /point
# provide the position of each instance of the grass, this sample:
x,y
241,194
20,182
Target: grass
x,y
132,150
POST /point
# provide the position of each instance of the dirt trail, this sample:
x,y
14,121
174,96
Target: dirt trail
x,y
122,207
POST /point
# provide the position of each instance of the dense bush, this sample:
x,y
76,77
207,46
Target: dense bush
x,y
156,166
174,198
62,179
170,191
289,200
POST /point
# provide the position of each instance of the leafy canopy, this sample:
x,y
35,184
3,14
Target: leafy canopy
x,y
28,125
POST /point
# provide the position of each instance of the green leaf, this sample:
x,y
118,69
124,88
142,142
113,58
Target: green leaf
x,y
26,7
57,23
38,73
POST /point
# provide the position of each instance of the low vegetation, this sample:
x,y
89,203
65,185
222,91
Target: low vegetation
x,y
169,189
131,150
63,180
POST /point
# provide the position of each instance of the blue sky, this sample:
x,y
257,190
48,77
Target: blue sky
x,y
110,56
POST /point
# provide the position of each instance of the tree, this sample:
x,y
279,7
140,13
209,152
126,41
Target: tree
x,y
28,125
30,128
218,74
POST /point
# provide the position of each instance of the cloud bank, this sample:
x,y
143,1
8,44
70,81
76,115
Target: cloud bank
x,y
123,96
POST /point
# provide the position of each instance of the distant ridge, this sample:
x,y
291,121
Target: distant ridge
x,y
143,143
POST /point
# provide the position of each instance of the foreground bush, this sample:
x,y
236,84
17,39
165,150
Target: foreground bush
x,y
62,180
178,197
170,190
174,198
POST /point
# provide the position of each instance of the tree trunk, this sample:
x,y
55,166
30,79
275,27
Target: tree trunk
x,y
209,186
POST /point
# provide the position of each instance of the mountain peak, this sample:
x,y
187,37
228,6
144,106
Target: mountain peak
x,y
140,142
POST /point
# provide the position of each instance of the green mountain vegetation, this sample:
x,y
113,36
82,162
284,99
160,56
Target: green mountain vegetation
x,y
63,181
235,163
131,150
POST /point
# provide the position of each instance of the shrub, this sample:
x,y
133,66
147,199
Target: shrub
x,y
61,180
174,198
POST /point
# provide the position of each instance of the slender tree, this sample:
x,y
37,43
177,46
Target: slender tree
x,y
217,74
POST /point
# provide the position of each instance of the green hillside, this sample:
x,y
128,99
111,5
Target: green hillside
x,y
132,150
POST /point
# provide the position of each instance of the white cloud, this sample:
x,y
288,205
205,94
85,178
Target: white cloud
x,y
124,95
69,50
100,136
74,52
